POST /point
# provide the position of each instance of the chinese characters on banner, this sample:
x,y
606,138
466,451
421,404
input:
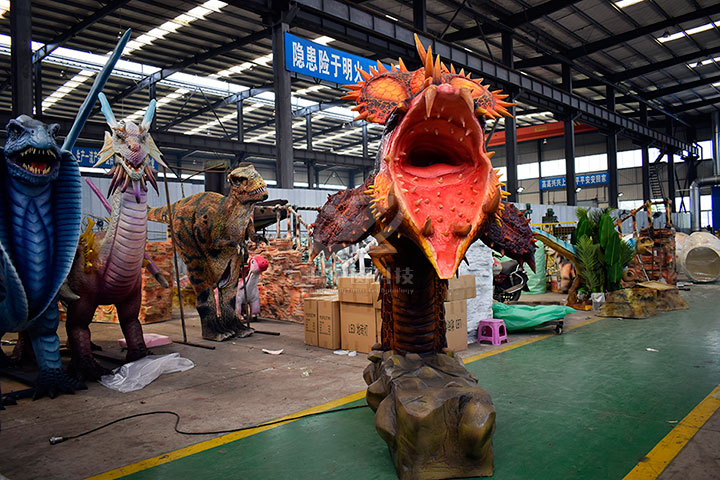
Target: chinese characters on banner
x,y
88,157
581,180
319,61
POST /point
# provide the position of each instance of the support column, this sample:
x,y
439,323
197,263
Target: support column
x,y
612,153
420,14
37,74
569,128
671,179
671,166
716,142
308,132
364,141
645,157
152,94
283,109
540,157
510,125
310,174
240,121
21,57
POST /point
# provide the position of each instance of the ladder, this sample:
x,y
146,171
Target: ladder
x,y
656,189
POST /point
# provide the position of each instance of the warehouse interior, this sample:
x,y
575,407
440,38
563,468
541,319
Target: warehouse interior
x,y
603,117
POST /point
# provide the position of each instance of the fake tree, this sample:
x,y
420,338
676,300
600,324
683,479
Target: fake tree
x,y
601,253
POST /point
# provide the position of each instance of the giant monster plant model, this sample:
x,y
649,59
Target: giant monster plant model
x,y
208,228
433,193
39,228
108,266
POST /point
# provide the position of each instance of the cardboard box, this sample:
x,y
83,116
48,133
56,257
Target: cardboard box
x,y
456,325
356,289
358,326
469,283
460,288
311,312
328,322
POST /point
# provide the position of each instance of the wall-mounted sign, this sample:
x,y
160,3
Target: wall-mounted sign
x,y
88,157
326,63
581,180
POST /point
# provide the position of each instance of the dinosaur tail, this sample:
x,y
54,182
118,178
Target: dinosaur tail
x,y
159,214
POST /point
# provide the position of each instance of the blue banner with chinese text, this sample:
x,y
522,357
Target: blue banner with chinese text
x,y
581,180
326,63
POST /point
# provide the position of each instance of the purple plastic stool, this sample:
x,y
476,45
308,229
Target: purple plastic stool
x,y
492,330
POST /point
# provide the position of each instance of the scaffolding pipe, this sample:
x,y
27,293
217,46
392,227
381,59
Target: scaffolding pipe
x,y
695,187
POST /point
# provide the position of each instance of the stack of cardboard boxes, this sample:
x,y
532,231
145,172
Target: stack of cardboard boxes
x,y
351,319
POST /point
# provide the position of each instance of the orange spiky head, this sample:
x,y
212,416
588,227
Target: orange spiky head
x,y
435,170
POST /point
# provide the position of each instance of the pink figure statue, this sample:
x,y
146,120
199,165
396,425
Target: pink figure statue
x,y
247,291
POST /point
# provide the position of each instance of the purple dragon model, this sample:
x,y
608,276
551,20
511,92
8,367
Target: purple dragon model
x,y
108,266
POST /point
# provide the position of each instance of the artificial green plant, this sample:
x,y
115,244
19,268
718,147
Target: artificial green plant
x,y
600,251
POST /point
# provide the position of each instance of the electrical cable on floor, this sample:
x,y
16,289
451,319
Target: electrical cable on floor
x,y
55,440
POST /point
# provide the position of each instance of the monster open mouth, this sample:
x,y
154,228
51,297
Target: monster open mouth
x,y
442,174
36,161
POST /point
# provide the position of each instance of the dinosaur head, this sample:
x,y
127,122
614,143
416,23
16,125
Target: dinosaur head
x,y
246,184
33,156
434,172
258,264
132,149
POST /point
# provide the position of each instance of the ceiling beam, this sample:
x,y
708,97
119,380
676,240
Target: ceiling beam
x,y
649,68
683,107
94,132
88,21
511,21
365,28
229,100
300,112
611,41
194,60
681,87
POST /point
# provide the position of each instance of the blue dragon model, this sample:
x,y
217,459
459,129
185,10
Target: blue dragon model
x,y
39,229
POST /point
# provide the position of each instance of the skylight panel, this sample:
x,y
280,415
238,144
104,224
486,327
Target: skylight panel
x,y
626,3
687,33
4,7
145,39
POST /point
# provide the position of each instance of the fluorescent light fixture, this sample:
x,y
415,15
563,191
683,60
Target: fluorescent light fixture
x,y
196,13
687,33
620,194
704,62
577,190
390,17
4,7
626,3
520,189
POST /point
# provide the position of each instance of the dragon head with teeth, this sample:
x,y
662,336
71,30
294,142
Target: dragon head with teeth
x,y
132,149
33,155
433,182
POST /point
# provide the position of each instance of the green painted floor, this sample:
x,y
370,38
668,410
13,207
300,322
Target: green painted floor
x,y
587,404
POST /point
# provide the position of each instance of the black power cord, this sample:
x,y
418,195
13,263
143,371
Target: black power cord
x,y
55,440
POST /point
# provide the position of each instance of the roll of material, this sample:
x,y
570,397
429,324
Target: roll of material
x,y
698,255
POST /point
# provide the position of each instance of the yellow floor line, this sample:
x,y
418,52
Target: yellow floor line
x,y
664,452
231,437
208,444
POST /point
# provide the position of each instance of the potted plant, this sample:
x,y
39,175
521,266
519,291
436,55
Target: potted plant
x,y
602,255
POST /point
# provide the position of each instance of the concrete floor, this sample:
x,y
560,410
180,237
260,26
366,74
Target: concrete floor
x,y
232,386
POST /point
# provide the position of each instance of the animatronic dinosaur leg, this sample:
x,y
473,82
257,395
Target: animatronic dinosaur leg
x,y
82,364
228,296
52,379
212,327
128,315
